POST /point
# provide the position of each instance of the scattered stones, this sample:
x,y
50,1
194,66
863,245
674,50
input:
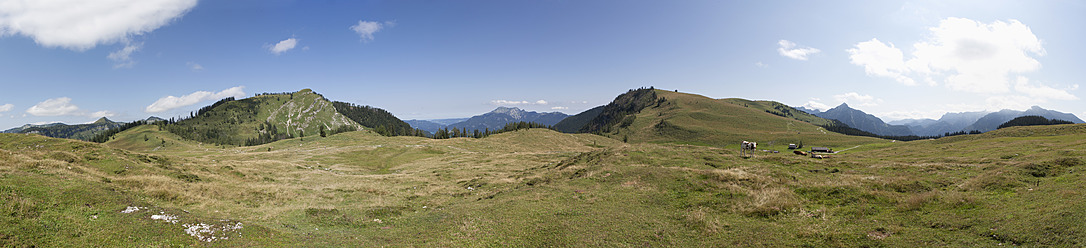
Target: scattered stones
x,y
212,232
165,217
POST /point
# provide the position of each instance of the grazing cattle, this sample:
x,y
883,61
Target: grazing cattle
x,y
747,148
801,153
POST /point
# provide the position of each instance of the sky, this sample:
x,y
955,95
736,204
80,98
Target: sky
x,y
75,61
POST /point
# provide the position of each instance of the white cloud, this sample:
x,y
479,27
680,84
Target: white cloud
x,y
62,106
508,102
81,25
760,64
283,46
6,107
962,54
54,107
123,58
879,59
789,49
173,102
857,99
816,105
102,113
365,29
1040,91
559,108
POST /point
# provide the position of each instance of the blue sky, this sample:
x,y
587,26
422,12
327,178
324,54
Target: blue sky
x,y
69,61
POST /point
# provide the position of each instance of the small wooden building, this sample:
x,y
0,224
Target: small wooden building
x,y
793,146
821,149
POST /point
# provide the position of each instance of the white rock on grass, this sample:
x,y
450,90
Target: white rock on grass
x,y
130,209
165,217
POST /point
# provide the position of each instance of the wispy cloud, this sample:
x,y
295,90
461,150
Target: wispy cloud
x,y
194,66
508,102
1041,91
283,46
123,58
791,50
173,102
6,107
857,99
559,108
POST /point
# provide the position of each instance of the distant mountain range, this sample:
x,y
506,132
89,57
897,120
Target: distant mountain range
x,y
991,121
433,125
492,120
77,131
863,121
948,123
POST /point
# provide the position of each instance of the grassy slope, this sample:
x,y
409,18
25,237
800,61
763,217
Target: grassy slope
x,y
303,113
59,192
701,120
543,188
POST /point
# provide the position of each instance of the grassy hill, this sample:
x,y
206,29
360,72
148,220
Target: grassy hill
x,y
60,192
693,119
262,118
537,187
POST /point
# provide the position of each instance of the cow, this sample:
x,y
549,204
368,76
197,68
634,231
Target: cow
x,y
747,148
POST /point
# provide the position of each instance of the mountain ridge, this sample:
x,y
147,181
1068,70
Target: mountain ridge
x,y
863,121
500,116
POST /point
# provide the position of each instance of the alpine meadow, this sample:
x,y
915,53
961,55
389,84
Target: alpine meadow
x,y
541,124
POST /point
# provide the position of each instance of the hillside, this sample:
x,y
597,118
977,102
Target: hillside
x,y
262,118
574,123
668,116
380,120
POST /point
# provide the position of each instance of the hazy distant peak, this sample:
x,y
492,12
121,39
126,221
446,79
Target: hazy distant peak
x,y
515,112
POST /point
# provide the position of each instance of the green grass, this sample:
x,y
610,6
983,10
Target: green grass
x,y
233,123
694,119
1016,186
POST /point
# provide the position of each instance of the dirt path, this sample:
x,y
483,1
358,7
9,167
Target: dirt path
x,y
850,148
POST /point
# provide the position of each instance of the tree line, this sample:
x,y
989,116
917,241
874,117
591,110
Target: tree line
x,y
1032,120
